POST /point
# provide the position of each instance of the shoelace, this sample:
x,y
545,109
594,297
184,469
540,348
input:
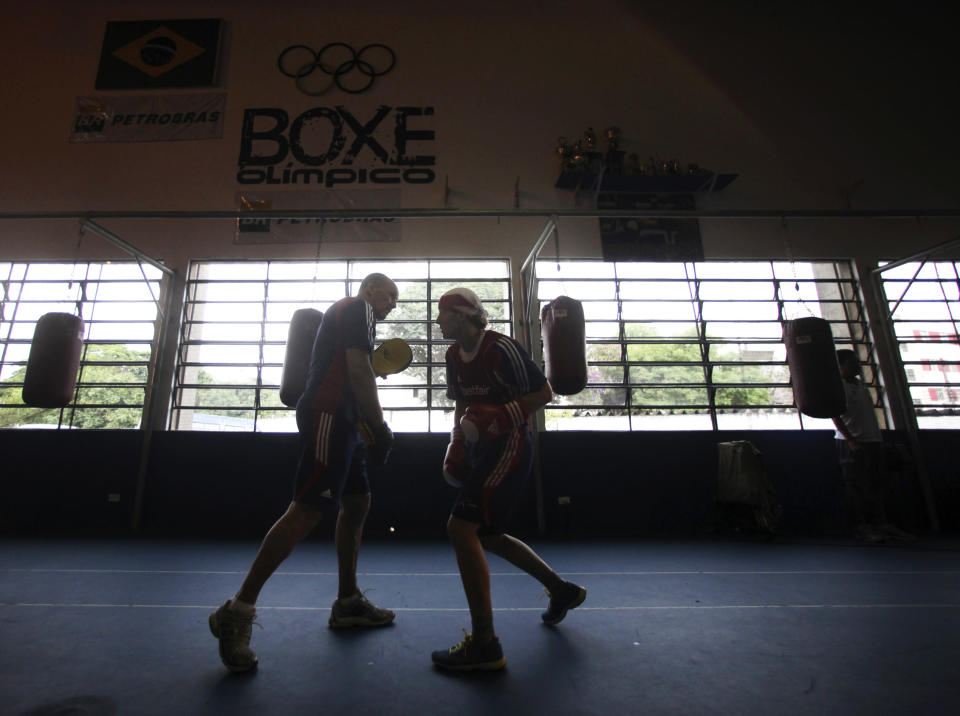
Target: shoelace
x,y
240,625
467,638
362,601
362,597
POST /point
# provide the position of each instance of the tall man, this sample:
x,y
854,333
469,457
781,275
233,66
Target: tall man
x,y
340,391
496,386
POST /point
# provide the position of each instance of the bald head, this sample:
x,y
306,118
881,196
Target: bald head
x,y
373,280
380,292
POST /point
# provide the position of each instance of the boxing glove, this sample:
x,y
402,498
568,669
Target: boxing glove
x,y
378,439
488,421
455,467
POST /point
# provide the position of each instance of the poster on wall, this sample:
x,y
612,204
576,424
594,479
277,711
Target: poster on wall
x,y
336,146
148,119
147,54
257,230
649,239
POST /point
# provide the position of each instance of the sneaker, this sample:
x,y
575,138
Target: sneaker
x,y
233,630
868,534
468,655
894,532
358,611
568,597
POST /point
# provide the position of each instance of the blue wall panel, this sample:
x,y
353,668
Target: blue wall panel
x,y
232,484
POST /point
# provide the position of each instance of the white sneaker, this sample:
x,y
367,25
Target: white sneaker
x,y
358,611
233,629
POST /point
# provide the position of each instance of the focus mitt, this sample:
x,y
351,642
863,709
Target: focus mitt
x,y
394,355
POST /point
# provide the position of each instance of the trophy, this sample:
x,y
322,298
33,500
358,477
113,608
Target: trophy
x,y
590,139
614,157
613,137
578,159
563,152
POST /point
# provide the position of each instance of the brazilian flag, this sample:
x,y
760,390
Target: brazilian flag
x,y
147,54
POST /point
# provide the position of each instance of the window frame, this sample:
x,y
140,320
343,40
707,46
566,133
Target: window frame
x,y
78,294
420,331
924,344
845,313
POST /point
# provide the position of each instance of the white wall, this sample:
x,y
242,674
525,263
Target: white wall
x,y
813,111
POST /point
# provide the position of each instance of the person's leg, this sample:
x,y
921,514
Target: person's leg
x,y
520,555
853,489
860,488
348,535
352,608
564,595
232,623
875,465
874,484
499,506
295,524
474,574
480,650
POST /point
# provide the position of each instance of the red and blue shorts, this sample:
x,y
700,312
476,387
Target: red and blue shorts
x,y
498,472
332,458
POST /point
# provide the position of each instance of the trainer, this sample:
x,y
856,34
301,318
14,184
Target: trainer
x,y
340,392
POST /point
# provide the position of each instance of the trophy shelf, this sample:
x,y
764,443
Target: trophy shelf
x,y
644,183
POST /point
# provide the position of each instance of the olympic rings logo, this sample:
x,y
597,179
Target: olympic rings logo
x,y
351,70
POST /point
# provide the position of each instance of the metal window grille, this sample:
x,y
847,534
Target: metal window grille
x,y
924,302
699,346
116,301
235,323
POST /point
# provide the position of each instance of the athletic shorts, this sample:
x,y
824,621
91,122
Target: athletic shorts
x,y
498,472
332,458
864,469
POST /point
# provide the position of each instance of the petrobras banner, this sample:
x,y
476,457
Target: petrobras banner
x,y
255,230
149,118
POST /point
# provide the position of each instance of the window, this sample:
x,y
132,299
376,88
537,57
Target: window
x,y
236,318
925,305
697,346
117,304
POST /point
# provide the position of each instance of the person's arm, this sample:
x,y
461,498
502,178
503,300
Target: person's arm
x,y
845,431
374,430
458,412
484,421
533,401
455,468
364,385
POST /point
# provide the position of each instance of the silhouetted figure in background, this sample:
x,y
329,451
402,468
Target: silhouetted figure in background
x,y
860,451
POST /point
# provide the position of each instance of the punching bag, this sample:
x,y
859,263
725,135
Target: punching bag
x,y
814,371
53,361
564,345
296,359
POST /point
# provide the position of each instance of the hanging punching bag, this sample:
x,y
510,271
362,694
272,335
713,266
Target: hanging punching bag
x,y
814,371
53,361
296,359
564,345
